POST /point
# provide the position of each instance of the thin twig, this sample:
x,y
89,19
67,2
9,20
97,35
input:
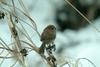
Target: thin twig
x,y
84,59
3,59
6,57
65,64
32,21
14,63
23,6
82,15
4,43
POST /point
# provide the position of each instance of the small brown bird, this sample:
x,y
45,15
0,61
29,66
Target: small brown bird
x,y
47,37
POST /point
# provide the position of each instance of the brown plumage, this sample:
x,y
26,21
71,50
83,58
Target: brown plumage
x,y
47,37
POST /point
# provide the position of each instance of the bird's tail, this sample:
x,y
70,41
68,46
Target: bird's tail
x,y
42,48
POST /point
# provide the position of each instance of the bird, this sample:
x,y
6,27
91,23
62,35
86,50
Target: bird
x,y
47,37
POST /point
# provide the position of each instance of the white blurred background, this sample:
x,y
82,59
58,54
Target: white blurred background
x,y
76,38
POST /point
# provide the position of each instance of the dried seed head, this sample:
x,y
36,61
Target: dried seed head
x,y
23,52
2,15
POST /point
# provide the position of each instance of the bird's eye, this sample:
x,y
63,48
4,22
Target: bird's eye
x,y
52,28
